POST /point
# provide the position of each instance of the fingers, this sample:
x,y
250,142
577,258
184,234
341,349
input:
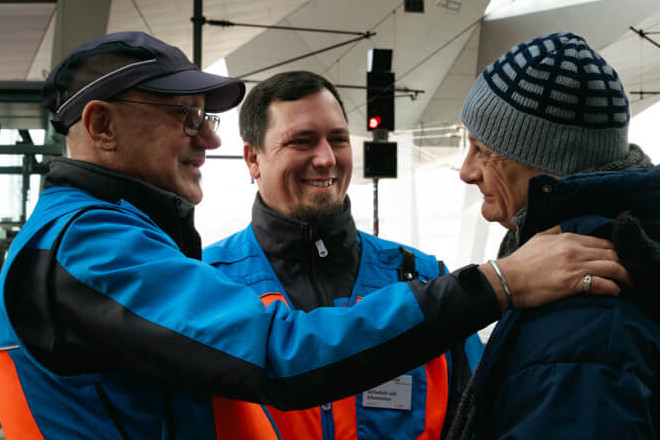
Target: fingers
x,y
551,266
606,268
552,231
588,241
603,286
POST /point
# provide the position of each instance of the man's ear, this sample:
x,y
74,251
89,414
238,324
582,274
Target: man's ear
x,y
97,122
251,157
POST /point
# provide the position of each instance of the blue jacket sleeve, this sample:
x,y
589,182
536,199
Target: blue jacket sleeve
x,y
142,306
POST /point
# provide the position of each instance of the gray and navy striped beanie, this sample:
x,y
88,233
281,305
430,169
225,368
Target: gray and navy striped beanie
x,y
551,103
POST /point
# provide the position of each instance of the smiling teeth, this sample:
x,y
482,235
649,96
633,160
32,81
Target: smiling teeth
x,y
322,184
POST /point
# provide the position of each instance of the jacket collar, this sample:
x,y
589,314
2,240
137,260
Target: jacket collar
x,y
547,206
173,214
293,238
606,194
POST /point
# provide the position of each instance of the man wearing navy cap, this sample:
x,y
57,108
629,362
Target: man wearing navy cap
x,y
111,327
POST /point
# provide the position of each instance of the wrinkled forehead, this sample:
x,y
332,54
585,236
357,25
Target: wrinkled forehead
x,y
476,141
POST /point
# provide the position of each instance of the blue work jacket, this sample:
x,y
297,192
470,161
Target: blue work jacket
x,y
240,257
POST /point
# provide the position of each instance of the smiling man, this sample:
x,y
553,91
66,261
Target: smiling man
x,y
303,241
304,162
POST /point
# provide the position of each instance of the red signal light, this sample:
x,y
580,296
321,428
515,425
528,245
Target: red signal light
x,y
374,122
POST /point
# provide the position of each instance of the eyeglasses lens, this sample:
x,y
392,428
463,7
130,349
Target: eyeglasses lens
x,y
194,120
214,122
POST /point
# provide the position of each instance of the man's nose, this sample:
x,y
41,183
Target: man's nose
x,y
469,172
207,138
324,155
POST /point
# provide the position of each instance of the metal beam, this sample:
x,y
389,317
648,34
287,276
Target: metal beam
x,y
20,91
223,156
37,169
20,105
46,150
198,21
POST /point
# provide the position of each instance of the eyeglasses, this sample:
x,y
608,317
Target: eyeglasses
x,y
194,116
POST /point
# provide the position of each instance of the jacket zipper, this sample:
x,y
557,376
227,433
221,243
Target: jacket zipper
x,y
321,249
327,422
327,417
312,262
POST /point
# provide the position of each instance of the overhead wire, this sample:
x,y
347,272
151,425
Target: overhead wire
x,y
139,11
382,20
433,53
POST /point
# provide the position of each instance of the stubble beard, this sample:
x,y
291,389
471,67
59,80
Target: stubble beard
x,y
323,208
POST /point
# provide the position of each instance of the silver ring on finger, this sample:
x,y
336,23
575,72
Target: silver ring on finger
x,y
586,284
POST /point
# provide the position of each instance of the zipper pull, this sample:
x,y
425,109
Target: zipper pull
x,y
320,247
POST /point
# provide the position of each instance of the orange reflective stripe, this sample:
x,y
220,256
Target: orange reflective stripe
x,y
345,418
437,395
15,415
268,298
236,420
304,424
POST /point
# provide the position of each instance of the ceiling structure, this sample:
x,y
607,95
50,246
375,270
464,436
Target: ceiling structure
x,y
437,53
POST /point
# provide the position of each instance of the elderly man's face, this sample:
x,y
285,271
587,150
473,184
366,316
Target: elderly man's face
x,y
305,167
503,182
154,147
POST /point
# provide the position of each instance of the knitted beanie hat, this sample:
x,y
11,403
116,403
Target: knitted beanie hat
x,y
551,103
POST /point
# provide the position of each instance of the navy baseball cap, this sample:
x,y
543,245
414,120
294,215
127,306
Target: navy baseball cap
x,y
114,63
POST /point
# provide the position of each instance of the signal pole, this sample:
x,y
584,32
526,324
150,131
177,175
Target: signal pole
x,y
379,155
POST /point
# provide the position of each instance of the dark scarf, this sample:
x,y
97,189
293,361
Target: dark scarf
x,y
291,246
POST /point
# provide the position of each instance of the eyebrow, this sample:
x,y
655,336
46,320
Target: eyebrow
x,y
334,131
475,141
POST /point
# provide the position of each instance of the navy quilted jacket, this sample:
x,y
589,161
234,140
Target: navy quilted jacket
x,y
586,367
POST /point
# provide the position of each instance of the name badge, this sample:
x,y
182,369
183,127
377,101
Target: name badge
x,y
395,394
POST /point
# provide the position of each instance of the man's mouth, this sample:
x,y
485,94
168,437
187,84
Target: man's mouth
x,y
321,183
197,163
